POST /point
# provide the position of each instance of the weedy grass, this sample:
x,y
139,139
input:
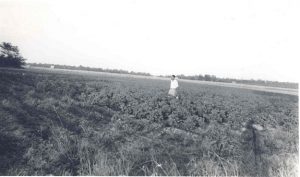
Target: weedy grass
x,y
60,124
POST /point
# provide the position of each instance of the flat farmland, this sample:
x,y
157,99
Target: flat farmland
x,y
63,122
288,91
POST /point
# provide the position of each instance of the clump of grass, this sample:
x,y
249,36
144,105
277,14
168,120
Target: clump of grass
x,y
285,165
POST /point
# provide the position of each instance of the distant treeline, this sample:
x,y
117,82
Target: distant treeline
x,y
85,68
213,78
200,77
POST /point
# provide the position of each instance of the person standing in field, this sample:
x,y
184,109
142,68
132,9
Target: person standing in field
x,y
173,87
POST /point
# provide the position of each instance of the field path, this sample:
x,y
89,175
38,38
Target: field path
x,y
287,91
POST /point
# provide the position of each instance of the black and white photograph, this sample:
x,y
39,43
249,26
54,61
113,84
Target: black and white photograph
x,y
149,88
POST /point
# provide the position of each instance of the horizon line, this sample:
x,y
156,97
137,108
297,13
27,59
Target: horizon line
x,y
165,75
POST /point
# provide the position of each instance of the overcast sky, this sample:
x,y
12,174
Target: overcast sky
x,y
257,39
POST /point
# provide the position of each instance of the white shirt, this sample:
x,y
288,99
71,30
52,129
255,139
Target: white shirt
x,y
174,84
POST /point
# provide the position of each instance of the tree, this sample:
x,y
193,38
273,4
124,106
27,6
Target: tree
x,y
10,56
207,77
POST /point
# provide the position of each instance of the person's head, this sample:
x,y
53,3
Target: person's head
x,y
173,77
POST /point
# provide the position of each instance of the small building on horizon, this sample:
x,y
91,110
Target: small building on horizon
x,y
26,66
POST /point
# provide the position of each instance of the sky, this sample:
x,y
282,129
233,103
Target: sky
x,y
243,39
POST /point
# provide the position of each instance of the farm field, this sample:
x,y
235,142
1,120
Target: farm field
x,y
289,91
53,123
